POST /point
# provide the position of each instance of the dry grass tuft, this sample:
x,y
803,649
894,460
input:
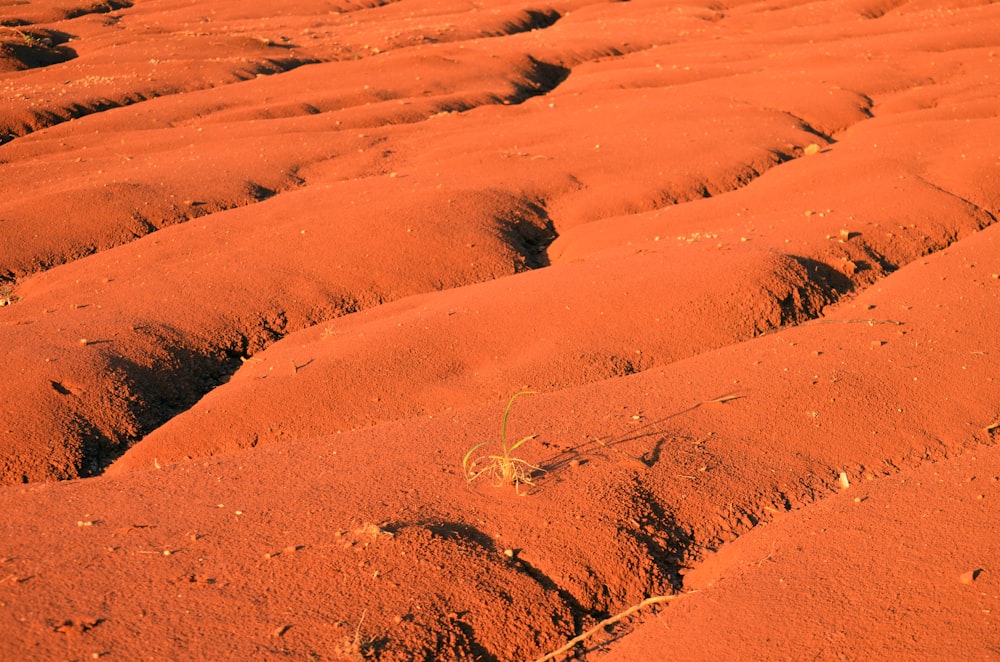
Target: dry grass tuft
x,y
7,296
497,460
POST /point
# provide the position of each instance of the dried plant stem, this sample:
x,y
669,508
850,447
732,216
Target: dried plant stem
x,y
869,322
26,36
620,452
610,621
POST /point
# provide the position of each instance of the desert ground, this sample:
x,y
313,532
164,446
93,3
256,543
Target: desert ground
x,y
272,274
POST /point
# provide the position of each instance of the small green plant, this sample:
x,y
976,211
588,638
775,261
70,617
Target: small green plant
x,y
27,37
7,296
497,461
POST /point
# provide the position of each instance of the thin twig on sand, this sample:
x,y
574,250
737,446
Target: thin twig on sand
x,y
610,621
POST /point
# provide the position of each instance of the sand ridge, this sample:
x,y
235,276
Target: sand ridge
x,y
272,271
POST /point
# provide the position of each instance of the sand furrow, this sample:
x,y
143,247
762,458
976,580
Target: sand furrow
x,y
745,254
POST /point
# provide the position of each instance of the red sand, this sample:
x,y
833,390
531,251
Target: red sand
x,y
273,269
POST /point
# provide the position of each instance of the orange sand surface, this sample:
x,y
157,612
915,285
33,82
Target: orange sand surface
x,y
270,271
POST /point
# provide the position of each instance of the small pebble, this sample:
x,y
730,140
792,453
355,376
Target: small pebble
x,y
969,577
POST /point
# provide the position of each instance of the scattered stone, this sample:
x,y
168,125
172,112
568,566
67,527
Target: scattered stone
x,y
970,576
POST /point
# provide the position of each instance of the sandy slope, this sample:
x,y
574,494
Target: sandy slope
x,y
800,584
272,271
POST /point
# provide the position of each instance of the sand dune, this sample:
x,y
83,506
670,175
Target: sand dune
x,y
269,272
